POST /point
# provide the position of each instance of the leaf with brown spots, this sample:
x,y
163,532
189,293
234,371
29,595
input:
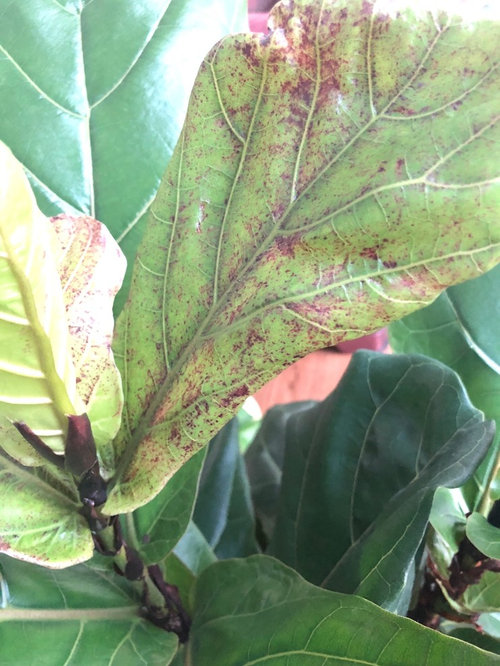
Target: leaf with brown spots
x,y
331,176
91,267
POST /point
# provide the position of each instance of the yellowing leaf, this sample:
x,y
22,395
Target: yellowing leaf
x,y
37,376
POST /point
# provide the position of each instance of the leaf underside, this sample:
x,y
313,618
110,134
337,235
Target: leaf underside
x,y
315,194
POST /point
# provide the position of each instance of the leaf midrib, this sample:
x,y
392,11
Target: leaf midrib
x,y
10,614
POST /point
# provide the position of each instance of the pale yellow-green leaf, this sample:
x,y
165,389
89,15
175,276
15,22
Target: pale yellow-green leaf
x,y
37,376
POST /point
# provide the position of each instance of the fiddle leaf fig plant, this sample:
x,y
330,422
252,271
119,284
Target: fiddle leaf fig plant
x,y
331,176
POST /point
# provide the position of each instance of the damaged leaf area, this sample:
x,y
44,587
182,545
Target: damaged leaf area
x,y
91,267
57,284
331,176
39,517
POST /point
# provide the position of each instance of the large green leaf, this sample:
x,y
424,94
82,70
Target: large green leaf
x,y
331,176
223,510
461,329
39,518
97,97
257,611
80,616
264,463
361,469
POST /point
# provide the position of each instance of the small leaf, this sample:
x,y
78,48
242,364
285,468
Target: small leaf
x,y
264,463
490,622
258,611
91,268
361,469
484,597
448,519
223,510
484,536
315,194
83,615
158,525
37,375
39,518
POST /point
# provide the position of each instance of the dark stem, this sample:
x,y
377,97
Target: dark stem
x,y
161,602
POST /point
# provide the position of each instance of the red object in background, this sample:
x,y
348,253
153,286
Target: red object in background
x,y
376,342
258,12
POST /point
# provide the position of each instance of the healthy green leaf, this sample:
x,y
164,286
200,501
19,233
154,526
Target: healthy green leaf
x,y
461,329
471,635
223,510
156,527
257,611
448,519
264,463
39,518
483,597
484,536
91,268
37,376
97,97
83,615
194,551
361,469
315,194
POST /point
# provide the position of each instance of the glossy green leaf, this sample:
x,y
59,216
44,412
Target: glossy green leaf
x,y
39,517
191,555
484,536
361,469
37,376
91,268
156,527
461,329
194,551
448,520
315,194
97,97
83,615
258,611
481,640
264,463
223,510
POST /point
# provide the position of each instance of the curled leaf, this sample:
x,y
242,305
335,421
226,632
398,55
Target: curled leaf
x,y
37,376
